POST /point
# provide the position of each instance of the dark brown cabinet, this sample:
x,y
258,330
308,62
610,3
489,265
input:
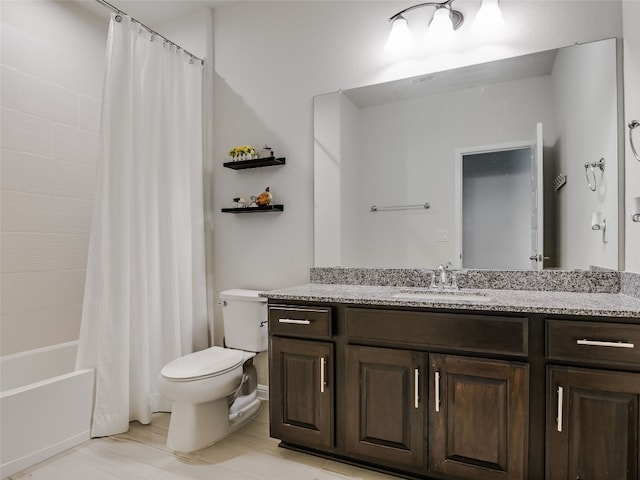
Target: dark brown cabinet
x,y
592,424
439,394
301,391
478,418
385,398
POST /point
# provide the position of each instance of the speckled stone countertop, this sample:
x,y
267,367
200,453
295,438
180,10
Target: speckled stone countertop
x,y
524,301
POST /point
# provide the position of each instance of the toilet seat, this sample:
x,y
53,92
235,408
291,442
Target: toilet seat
x,y
207,363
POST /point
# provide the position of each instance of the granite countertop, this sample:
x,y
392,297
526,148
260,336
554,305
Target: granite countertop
x,y
525,301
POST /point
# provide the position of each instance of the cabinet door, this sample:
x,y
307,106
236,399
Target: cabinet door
x,y
592,424
478,418
385,405
301,391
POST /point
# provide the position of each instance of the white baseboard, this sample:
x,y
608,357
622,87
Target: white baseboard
x,y
263,392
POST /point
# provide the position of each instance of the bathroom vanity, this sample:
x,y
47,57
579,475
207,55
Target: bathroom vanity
x,y
493,384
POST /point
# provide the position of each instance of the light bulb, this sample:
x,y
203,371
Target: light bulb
x,y
489,17
441,26
399,36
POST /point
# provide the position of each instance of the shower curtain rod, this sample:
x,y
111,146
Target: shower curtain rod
x,y
104,3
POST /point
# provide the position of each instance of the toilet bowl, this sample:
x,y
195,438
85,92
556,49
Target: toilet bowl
x,y
214,391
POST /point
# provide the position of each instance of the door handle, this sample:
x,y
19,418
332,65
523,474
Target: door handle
x,y
560,401
600,343
537,257
323,367
416,390
294,321
437,389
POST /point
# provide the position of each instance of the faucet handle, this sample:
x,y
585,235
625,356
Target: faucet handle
x,y
433,281
454,281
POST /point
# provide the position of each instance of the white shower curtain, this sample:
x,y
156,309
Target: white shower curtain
x,y
145,295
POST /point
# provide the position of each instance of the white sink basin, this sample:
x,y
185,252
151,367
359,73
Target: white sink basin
x,y
436,296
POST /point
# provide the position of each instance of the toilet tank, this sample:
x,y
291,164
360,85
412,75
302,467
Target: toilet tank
x,y
245,317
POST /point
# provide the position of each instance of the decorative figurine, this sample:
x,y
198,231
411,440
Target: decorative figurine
x,y
265,198
240,202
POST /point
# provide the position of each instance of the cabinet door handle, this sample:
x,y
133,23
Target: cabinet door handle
x,y
600,343
294,321
416,390
323,367
560,399
437,387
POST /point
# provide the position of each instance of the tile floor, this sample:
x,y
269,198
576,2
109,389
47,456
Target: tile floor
x,y
141,454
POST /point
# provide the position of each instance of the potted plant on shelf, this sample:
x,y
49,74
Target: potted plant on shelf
x,y
243,152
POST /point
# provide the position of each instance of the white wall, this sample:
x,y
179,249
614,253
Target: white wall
x,y
589,132
326,146
52,68
266,79
631,46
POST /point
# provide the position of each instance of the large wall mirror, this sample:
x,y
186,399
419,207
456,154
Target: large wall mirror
x,y
462,165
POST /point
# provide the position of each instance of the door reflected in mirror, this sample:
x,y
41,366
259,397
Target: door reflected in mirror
x,y
401,143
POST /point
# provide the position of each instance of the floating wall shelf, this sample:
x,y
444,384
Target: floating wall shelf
x,y
269,208
254,163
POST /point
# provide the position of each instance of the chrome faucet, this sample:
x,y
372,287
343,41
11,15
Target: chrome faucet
x,y
443,269
445,278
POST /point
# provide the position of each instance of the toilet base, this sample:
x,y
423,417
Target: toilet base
x,y
195,426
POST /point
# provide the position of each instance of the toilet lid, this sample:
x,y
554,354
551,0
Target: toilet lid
x,y
205,363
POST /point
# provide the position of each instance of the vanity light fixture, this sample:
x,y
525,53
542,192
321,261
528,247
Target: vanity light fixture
x,y
444,21
489,17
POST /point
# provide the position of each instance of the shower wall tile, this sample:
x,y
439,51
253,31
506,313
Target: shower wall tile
x,y
22,292
10,170
25,53
52,66
48,100
10,87
89,110
78,74
27,212
24,132
37,252
39,328
49,176
74,144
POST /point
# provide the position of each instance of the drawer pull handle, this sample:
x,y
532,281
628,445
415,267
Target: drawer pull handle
x,y
323,366
437,387
599,343
416,391
560,394
294,321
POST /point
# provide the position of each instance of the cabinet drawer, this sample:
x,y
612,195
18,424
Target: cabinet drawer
x,y
298,321
465,332
593,342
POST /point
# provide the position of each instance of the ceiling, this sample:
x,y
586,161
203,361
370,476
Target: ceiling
x,y
153,12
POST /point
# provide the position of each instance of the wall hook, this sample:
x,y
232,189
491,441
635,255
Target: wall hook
x,y
591,167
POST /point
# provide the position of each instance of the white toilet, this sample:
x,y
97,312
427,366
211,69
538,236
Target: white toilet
x,y
214,391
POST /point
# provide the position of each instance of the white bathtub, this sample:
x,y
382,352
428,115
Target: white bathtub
x,y
45,405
